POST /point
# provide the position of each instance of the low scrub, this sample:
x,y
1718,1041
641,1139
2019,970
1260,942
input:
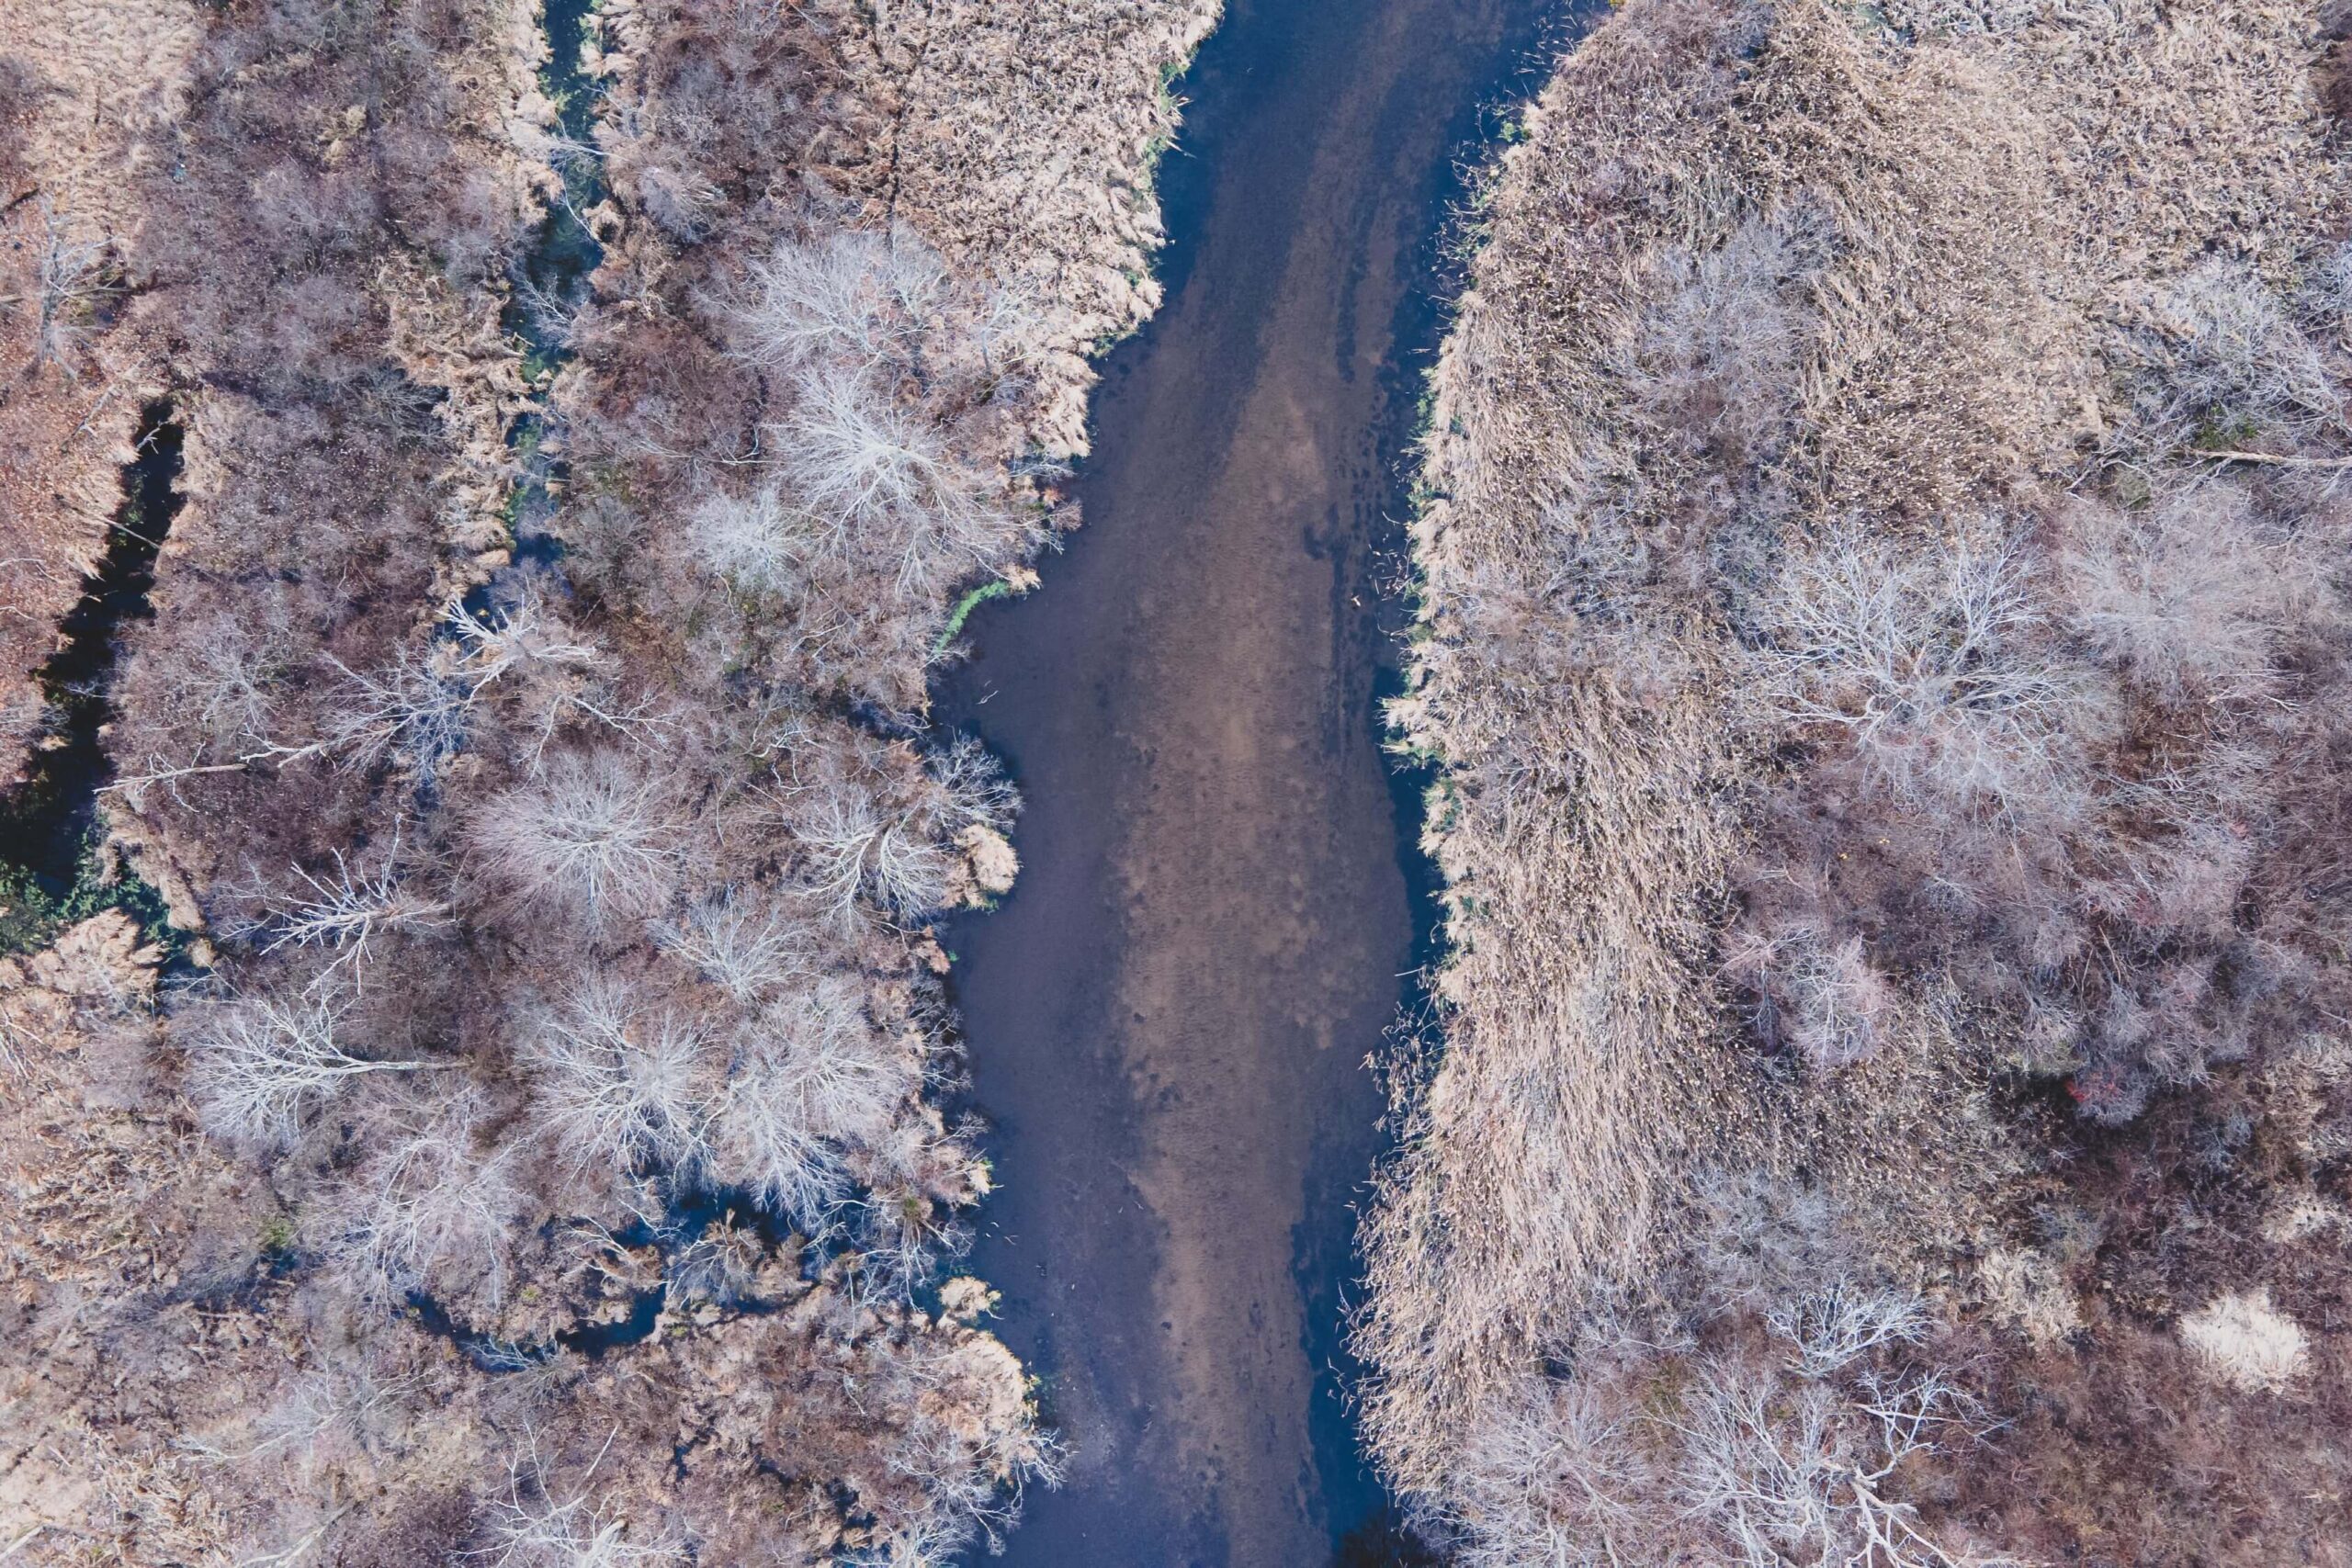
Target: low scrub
x,y
1883,639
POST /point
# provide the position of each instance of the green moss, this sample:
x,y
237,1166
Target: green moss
x,y
275,1242
2131,488
995,589
33,911
2225,431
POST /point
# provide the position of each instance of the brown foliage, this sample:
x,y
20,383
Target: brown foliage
x,y
1879,740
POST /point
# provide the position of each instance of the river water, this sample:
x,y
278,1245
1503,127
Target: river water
x,y
1168,1019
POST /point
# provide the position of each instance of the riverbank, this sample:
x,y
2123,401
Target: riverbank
x,y
76,135
556,1106
1803,969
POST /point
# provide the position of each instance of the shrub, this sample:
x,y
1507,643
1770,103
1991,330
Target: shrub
x,y
2186,596
2218,352
1760,1448
1714,361
1558,1475
598,836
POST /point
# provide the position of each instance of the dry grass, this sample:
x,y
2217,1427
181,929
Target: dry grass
x,y
84,89
1852,700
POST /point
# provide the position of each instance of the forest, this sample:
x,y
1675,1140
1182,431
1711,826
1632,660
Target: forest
x,y
476,1082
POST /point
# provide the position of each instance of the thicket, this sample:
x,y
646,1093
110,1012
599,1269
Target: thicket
x,y
537,744
1885,598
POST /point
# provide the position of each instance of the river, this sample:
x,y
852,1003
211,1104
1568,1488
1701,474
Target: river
x,y
1216,917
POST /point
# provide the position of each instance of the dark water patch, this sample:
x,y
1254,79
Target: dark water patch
x,y
1221,906
1383,1541
550,282
689,1215
53,870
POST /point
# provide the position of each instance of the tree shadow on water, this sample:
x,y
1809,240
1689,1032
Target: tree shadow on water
x,y
1383,1541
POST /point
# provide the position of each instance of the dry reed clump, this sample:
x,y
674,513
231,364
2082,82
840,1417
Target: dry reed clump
x,y
559,1080
2248,1343
1878,668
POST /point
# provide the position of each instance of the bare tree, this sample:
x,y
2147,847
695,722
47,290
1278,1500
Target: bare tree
x,y
621,1085
1781,1474
433,1198
69,280
548,676
977,793
759,542
517,639
854,298
598,835
1830,1000
1833,1326
854,455
1933,662
414,714
808,1078
222,677
739,942
345,911
261,1064
763,1143
533,1526
855,848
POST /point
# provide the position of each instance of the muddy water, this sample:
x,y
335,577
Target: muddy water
x,y
1168,1019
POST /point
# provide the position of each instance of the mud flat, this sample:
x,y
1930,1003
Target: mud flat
x,y
1168,1019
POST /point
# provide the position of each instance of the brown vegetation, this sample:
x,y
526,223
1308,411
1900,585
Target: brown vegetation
x,y
1890,703
85,88
541,1157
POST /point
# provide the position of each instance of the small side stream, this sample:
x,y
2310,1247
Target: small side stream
x,y
1221,905
48,823
551,280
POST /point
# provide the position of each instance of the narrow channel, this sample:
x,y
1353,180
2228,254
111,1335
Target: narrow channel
x,y
1168,1019
49,825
